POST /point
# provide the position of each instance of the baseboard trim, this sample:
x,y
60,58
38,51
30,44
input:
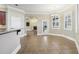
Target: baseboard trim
x,y
70,38
16,50
22,35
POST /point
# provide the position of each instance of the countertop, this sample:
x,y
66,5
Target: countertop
x,y
4,31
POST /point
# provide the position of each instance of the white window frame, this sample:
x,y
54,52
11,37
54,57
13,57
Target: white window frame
x,y
58,27
66,15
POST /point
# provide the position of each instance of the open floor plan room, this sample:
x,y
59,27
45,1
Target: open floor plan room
x,y
39,28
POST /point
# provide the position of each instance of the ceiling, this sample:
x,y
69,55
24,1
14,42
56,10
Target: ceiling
x,y
40,8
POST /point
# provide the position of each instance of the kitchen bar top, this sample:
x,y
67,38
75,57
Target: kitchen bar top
x,y
7,31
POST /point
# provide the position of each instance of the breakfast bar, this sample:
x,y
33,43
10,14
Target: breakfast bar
x,y
9,41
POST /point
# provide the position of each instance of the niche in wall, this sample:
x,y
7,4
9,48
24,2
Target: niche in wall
x,y
34,27
27,24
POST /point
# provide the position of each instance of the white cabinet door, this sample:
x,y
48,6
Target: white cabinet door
x,y
16,22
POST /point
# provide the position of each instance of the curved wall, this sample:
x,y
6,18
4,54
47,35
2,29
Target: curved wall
x,y
61,30
72,33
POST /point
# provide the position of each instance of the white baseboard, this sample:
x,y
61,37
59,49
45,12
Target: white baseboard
x,y
16,50
42,34
29,29
22,35
77,45
70,38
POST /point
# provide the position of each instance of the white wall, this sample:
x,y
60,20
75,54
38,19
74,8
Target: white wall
x,y
71,33
16,19
77,24
33,22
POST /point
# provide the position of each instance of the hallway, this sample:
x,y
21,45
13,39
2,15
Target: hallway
x,y
33,44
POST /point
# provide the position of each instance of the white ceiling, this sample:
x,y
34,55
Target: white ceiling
x,y
40,8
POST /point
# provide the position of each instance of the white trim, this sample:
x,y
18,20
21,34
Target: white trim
x,y
22,35
77,45
42,34
76,18
70,38
29,29
16,50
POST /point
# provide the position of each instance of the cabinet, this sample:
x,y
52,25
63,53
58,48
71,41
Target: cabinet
x,y
2,18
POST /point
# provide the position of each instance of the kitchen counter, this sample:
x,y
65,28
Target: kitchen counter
x,y
4,31
9,41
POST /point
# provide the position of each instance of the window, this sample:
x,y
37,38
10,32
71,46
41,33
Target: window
x,y
55,22
68,22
